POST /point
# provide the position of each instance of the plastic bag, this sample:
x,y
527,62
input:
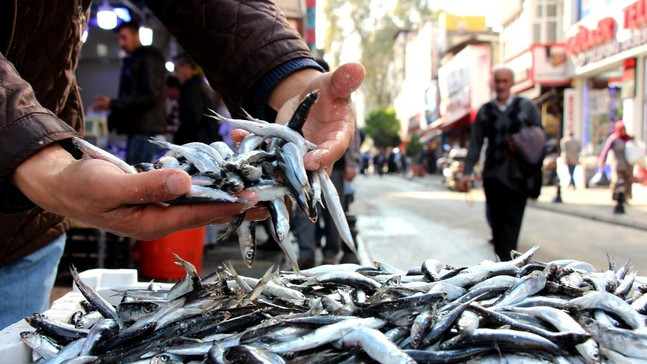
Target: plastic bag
x,y
635,152
599,179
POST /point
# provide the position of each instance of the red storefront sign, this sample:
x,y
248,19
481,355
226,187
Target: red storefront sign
x,y
588,38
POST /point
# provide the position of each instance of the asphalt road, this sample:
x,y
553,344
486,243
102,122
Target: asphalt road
x,y
405,221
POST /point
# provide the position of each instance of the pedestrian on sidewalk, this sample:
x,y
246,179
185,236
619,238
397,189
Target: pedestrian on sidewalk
x,y
506,190
621,170
570,150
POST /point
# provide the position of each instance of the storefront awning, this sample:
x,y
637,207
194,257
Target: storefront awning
x,y
453,122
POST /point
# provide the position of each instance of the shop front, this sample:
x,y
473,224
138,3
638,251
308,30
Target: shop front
x,y
541,75
608,50
463,88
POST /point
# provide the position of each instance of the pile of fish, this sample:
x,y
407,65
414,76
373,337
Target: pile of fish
x,y
267,162
523,310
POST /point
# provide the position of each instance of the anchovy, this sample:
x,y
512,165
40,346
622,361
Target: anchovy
x,y
377,346
564,339
102,331
60,332
300,115
166,162
129,312
265,130
352,279
40,344
504,338
326,334
268,190
612,304
627,342
234,223
208,150
445,356
86,321
190,281
525,287
564,322
210,195
247,241
202,161
333,205
250,142
420,326
280,217
68,352
430,268
98,153
104,307
640,304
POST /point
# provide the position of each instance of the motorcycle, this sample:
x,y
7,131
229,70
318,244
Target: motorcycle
x,y
453,168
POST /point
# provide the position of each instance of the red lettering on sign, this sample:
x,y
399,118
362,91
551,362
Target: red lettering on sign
x,y
587,38
635,15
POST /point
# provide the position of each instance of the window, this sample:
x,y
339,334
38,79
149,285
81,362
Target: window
x,y
536,33
546,25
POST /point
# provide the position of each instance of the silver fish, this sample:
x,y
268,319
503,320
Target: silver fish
x,y
333,205
98,153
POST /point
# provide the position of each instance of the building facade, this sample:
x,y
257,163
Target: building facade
x,y
607,44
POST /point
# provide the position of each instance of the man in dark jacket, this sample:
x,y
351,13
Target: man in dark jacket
x,y
139,111
254,58
505,189
196,98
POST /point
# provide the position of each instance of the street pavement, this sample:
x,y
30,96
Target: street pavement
x,y
594,204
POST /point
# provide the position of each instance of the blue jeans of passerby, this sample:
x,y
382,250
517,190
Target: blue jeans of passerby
x,y
26,285
571,171
139,149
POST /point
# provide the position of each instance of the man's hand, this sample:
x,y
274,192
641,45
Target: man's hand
x,y
97,193
102,103
331,122
466,183
350,173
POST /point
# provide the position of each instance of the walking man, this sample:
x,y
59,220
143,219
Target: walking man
x,y
571,149
505,189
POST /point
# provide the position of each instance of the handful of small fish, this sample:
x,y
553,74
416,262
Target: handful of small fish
x,y
523,311
268,162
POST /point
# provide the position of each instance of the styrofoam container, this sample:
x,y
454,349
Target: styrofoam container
x,y
107,282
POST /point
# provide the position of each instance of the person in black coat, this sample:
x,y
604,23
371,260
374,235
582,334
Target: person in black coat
x,y
139,111
196,98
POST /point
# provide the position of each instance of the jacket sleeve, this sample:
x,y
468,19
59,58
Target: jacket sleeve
x,y
240,44
25,126
477,134
608,145
148,86
352,155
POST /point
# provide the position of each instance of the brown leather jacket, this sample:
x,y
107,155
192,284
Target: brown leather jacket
x,y
40,40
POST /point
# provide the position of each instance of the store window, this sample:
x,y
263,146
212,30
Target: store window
x,y
603,106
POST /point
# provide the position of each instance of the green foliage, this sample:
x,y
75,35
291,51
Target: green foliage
x,y
414,147
383,127
375,25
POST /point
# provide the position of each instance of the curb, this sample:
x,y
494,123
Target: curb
x,y
611,219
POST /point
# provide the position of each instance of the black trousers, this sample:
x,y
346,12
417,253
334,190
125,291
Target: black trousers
x,y
506,211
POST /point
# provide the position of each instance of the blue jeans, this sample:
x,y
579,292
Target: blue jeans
x,y
26,285
140,149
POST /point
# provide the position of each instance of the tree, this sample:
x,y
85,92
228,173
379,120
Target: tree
x,y
375,26
414,147
383,127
